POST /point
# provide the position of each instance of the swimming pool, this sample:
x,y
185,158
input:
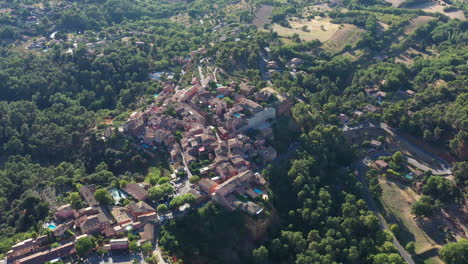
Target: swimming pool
x,y
236,115
258,191
51,226
145,146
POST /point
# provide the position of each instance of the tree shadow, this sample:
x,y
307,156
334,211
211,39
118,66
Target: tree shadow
x,y
430,253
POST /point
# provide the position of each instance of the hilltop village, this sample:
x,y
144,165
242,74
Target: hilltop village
x,y
221,132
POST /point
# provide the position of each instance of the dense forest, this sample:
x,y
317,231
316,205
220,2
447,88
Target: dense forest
x,y
53,105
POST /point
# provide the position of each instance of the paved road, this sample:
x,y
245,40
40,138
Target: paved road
x,y
361,168
202,77
445,167
116,258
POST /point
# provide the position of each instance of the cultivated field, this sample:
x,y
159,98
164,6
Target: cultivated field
x,y
436,8
348,34
321,29
262,16
417,22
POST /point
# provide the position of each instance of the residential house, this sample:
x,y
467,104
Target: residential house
x,y
375,144
371,108
121,243
91,224
142,212
134,124
224,194
64,212
207,185
138,192
48,254
295,62
343,118
382,165
410,92
121,215
147,235
88,194
62,228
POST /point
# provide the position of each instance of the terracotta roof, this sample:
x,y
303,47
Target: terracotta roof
x,y
88,194
135,190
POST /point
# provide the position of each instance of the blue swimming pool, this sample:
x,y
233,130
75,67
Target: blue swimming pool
x,y
237,115
145,146
52,226
258,191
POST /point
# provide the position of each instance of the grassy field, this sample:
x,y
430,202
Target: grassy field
x,y
417,22
436,8
263,16
406,56
397,200
321,29
395,3
348,34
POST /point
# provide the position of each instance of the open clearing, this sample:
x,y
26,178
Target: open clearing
x,y
417,22
309,10
436,8
182,18
348,34
321,29
397,200
262,16
395,3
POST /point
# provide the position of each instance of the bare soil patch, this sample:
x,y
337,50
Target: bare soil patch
x,y
262,16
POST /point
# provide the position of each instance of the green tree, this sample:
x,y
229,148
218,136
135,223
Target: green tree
x,y
123,183
147,249
162,208
260,255
460,172
455,253
395,229
423,207
103,196
411,247
133,246
194,179
84,246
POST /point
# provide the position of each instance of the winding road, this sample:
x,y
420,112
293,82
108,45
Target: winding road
x,y
361,169
444,167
